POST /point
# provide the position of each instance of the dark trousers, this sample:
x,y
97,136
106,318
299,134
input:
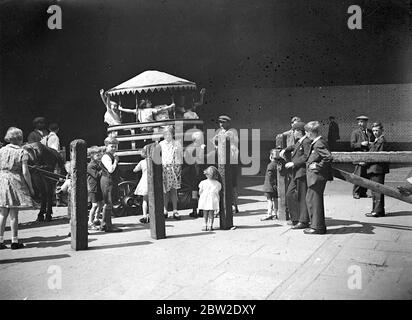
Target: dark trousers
x,y
296,200
316,208
378,199
358,190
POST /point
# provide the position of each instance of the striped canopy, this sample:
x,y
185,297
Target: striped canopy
x,y
151,80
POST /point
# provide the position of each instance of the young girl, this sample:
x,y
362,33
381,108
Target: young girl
x,y
15,185
141,189
270,188
209,196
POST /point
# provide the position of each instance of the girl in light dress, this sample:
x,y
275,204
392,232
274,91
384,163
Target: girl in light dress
x,y
15,185
209,196
142,187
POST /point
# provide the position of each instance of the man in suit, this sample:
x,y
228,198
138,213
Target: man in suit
x,y
360,140
318,172
376,171
333,133
297,188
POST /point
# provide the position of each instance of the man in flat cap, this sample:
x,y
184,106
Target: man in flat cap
x,y
297,188
222,133
39,131
360,140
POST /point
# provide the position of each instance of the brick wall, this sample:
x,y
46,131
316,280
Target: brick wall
x,y
271,109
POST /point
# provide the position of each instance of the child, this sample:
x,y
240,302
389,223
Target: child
x,y
141,189
209,196
65,187
376,171
93,186
108,183
270,188
145,112
190,110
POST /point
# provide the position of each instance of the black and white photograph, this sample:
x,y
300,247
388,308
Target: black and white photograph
x,y
205,155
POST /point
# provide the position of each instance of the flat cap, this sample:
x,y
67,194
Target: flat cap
x,y
224,118
298,126
39,119
362,118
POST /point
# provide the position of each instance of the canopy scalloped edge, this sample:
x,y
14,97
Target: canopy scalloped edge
x,y
151,89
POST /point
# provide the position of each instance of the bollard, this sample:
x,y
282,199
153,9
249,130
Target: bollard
x,y
155,191
226,194
78,194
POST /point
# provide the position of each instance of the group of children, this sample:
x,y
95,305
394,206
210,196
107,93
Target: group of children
x,y
145,112
208,200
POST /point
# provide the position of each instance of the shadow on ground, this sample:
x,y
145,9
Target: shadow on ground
x,y
120,245
31,259
36,224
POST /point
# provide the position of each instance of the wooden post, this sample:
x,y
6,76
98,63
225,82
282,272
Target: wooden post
x,y
377,156
226,194
155,191
78,194
374,186
281,178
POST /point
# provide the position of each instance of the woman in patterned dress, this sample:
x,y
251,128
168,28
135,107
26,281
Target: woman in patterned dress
x,y
15,184
172,158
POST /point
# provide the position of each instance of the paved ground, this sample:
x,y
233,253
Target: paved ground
x,y
359,258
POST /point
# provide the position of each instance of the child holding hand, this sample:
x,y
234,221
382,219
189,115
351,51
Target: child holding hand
x,y
209,196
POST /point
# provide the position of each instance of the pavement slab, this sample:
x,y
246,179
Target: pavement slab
x,y
257,260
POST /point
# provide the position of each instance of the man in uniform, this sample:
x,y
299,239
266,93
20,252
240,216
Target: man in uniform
x,y
225,131
360,140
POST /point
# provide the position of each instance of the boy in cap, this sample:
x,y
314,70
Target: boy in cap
x,y
360,140
318,172
39,131
298,154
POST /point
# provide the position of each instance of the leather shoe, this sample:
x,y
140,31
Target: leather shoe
x,y
314,231
374,215
300,225
291,223
113,230
15,246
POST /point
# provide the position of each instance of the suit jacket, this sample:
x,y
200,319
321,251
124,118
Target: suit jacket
x,y
299,154
319,154
290,139
357,136
378,168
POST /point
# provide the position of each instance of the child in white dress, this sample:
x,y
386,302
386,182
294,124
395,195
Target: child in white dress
x,y
142,188
209,196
